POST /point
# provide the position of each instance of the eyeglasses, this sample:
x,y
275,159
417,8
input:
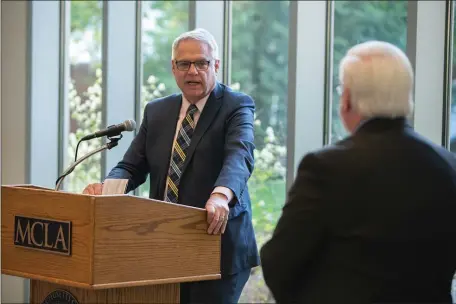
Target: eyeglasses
x,y
200,65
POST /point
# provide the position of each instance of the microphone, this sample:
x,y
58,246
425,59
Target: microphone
x,y
114,130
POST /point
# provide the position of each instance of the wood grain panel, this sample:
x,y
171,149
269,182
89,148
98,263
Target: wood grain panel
x,y
60,206
165,293
117,241
137,239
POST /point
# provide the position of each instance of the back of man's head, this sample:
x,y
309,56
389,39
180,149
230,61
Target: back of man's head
x,y
379,77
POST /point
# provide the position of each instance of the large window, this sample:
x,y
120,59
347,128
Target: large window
x,y
260,68
258,62
452,117
85,88
162,22
360,21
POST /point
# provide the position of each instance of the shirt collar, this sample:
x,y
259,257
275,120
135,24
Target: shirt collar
x,y
199,104
361,124
369,121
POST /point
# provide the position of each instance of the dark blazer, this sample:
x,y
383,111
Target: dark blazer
x,y
370,219
220,154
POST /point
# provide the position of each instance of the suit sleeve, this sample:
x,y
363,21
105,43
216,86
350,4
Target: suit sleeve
x,y
298,235
133,166
238,162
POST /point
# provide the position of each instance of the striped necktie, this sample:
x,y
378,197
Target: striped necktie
x,y
179,153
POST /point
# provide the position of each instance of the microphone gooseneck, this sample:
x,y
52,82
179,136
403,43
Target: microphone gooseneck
x,y
109,145
110,132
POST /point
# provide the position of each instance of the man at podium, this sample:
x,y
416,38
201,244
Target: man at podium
x,y
197,146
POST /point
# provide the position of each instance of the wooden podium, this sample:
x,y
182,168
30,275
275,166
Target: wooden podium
x,y
104,249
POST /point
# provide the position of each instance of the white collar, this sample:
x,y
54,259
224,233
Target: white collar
x,y
199,104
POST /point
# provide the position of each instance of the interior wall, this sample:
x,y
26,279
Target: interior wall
x,y
0,142
14,118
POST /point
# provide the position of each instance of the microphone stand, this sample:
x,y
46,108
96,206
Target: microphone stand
x,y
113,142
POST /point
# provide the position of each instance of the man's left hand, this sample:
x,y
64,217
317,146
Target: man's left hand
x,y
217,213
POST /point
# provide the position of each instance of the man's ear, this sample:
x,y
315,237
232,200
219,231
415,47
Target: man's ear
x,y
346,100
217,65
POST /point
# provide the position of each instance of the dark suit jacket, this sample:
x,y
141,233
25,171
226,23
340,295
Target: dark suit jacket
x,y
370,219
220,154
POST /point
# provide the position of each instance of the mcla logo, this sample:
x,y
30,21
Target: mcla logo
x,y
43,234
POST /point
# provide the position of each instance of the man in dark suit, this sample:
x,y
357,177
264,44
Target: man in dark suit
x,y
198,149
370,219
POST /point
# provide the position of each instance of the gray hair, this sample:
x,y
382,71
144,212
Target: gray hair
x,y
380,79
198,34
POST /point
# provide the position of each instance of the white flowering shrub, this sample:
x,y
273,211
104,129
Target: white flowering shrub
x,y
86,112
453,289
267,183
152,90
267,192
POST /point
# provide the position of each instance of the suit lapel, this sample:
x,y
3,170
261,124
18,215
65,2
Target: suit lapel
x,y
207,116
168,131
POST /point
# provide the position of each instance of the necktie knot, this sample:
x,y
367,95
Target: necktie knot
x,y
192,109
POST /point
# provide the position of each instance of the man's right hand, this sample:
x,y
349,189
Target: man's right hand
x,y
93,189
